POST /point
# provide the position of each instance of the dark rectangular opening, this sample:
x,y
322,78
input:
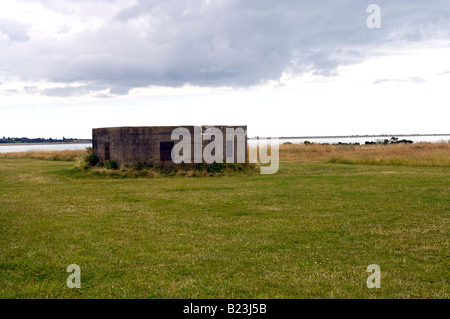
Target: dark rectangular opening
x,y
107,152
165,149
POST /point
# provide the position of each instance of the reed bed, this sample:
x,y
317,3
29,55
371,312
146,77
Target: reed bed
x,y
418,154
65,155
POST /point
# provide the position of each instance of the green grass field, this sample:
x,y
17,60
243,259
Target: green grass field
x,y
309,231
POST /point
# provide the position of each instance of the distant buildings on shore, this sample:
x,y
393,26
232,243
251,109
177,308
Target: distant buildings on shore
x,y
42,140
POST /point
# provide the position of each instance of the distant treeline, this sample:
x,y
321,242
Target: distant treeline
x,y
40,140
392,140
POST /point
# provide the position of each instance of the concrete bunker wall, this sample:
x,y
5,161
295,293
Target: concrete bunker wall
x,y
129,146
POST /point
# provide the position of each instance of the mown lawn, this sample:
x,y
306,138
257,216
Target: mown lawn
x,y
309,231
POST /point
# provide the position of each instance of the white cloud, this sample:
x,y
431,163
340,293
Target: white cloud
x,y
284,68
120,45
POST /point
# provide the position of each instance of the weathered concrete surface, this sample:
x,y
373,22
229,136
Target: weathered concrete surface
x,y
128,146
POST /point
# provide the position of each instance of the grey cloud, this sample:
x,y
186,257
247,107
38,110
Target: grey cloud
x,y
68,91
102,96
415,80
223,43
15,30
31,89
65,91
326,61
407,80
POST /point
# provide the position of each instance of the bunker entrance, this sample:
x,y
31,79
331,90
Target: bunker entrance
x,y
166,150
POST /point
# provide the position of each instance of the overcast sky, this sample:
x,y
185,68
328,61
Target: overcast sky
x,y
284,68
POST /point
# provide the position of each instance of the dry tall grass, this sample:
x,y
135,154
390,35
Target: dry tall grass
x,y
66,155
418,154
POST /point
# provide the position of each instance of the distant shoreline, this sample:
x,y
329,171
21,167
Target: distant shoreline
x,y
45,143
